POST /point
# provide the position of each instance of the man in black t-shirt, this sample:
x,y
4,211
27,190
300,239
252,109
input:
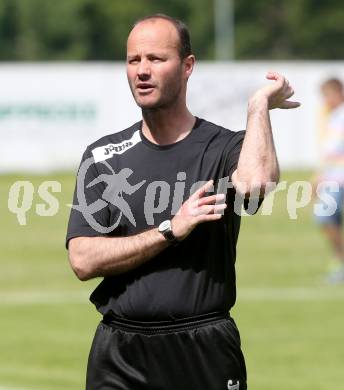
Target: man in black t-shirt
x,y
155,215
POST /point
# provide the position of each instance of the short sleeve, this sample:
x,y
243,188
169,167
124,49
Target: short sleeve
x,y
232,151
89,213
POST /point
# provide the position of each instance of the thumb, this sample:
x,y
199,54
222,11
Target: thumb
x,y
289,104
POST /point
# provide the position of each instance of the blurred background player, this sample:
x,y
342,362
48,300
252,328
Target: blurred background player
x,y
331,169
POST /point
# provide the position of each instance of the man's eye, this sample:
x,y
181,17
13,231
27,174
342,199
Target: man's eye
x,y
133,61
156,59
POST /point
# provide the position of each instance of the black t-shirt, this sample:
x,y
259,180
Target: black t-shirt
x,y
130,185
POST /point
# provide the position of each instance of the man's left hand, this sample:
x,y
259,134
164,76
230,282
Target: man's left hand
x,y
277,93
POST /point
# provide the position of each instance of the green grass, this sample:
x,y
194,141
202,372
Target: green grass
x,y
291,323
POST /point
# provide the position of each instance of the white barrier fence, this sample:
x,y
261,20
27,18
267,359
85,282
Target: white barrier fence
x,y
50,112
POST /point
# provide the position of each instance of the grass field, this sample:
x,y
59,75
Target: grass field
x,y
292,324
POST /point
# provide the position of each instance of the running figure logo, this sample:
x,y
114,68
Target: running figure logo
x,y
116,185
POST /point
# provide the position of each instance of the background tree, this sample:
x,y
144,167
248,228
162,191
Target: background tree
x,y
43,30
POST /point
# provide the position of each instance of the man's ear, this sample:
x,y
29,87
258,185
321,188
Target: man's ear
x,y
189,63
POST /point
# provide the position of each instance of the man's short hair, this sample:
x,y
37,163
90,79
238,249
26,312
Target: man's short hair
x,y
334,84
181,27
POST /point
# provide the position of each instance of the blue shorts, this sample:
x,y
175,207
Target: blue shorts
x,y
328,208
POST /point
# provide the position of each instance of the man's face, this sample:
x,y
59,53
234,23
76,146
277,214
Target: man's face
x,y
333,97
155,71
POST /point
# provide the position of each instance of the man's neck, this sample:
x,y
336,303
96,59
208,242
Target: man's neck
x,y
167,126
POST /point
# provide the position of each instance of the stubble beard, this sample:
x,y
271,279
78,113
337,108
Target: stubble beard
x,y
168,99
169,96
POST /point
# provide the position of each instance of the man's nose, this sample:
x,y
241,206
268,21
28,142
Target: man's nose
x,y
143,70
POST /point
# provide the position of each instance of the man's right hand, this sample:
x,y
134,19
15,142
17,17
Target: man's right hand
x,y
197,209
92,257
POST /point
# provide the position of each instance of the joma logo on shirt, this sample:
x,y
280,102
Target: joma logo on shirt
x,y
117,148
102,153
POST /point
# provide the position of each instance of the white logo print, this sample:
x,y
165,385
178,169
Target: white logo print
x,y
233,386
117,184
104,152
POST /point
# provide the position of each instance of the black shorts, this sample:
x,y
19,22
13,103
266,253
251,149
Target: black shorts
x,y
200,353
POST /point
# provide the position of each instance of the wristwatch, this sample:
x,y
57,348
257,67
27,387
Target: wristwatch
x,y
165,228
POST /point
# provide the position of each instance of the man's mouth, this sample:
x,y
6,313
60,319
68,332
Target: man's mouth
x,y
145,87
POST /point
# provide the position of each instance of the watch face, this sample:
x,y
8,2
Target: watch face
x,y
164,225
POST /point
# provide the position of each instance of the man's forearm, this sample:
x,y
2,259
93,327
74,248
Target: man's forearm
x,y
257,163
104,256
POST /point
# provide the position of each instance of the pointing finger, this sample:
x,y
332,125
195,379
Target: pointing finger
x,y
202,190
